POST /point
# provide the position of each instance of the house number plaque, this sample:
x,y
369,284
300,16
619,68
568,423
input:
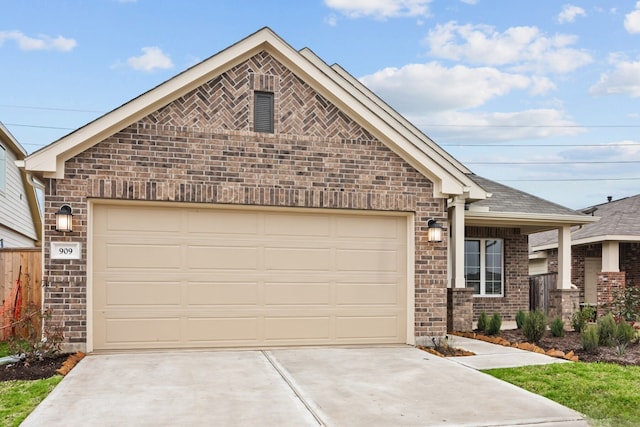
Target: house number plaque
x,y
65,250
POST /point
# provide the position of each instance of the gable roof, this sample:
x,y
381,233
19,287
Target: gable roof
x,y
448,175
20,153
619,221
509,205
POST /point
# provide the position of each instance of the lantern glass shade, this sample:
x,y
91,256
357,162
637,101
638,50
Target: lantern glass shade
x,y
64,219
434,231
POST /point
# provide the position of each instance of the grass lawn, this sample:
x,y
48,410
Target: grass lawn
x,y
19,398
607,394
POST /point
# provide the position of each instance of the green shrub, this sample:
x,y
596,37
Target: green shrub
x,y
625,333
557,327
494,324
520,318
580,318
590,338
483,321
607,330
534,326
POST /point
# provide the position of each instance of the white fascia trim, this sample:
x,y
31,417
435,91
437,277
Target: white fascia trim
x,y
518,218
589,240
50,160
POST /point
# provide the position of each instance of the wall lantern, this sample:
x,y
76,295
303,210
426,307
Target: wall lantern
x,y
435,231
64,219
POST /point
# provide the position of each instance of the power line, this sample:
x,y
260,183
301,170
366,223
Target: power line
x,y
37,126
529,126
568,179
554,163
73,110
604,145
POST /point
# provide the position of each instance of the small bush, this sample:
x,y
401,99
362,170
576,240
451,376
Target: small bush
x,y
580,318
590,338
534,326
483,321
625,333
520,318
494,324
557,327
607,330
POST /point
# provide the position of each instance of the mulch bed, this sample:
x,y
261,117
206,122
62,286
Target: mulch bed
x,y
32,370
572,342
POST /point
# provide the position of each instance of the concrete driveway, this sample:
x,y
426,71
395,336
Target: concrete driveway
x,y
390,386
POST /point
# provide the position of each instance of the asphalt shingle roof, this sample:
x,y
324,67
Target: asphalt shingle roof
x,y
508,199
617,218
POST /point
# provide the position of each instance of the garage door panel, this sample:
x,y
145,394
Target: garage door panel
x,y
295,226
225,223
246,278
297,259
371,327
366,294
367,260
142,293
137,331
216,294
213,330
137,256
298,293
222,258
297,328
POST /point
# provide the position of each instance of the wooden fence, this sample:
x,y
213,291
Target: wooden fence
x,y
26,263
539,287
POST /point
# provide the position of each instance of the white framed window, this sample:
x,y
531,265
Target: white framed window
x,y
484,267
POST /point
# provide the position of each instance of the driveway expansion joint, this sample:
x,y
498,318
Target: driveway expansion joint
x,y
282,372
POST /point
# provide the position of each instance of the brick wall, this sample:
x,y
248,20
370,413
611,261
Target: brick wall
x,y
200,149
516,273
630,262
609,284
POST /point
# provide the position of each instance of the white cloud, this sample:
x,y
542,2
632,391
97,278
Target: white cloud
x,y
434,87
569,13
151,59
496,126
624,79
522,48
380,9
632,20
42,42
471,2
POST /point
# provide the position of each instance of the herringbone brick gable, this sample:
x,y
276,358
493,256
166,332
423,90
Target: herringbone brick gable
x,y
226,102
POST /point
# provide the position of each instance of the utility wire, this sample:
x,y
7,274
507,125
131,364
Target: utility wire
x,y
616,162
567,179
73,110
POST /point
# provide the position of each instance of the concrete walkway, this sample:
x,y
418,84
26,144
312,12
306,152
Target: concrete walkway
x,y
490,356
382,386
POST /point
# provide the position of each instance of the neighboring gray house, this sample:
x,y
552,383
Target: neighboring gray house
x,y
605,255
20,218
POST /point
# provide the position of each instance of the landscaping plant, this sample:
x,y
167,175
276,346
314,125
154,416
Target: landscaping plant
x,y
626,304
557,327
625,333
493,328
580,318
534,326
590,338
483,321
520,315
607,330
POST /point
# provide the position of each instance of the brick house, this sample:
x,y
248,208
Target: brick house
x,y
264,198
605,255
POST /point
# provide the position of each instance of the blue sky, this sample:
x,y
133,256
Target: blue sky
x,y
542,96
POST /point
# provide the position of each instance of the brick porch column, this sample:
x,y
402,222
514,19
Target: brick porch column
x,y
609,284
459,309
563,302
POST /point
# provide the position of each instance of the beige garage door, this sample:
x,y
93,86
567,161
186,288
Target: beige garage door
x,y
180,277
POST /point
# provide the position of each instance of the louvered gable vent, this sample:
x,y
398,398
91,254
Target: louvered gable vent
x,y
263,112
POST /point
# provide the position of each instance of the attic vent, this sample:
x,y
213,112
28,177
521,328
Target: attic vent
x,y
263,112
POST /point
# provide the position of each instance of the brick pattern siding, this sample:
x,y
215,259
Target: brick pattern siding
x,y
200,149
516,273
610,284
630,262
